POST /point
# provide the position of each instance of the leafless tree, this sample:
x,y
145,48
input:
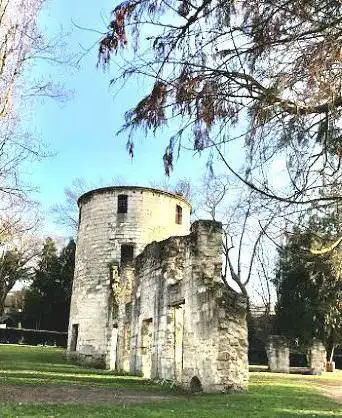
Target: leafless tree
x,y
18,32
265,273
66,212
246,243
183,187
22,43
214,192
245,221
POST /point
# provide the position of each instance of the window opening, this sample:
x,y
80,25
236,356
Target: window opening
x,y
127,338
179,214
127,253
128,312
122,203
74,337
79,217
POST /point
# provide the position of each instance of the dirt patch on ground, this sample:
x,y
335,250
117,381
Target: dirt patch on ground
x,y
332,391
53,394
60,394
331,388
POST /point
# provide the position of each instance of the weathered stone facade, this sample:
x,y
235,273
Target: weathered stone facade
x,y
103,232
164,314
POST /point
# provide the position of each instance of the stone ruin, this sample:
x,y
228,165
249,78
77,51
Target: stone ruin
x,y
317,357
278,355
148,298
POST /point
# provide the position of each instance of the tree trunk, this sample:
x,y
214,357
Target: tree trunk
x,y
332,353
3,295
331,346
245,294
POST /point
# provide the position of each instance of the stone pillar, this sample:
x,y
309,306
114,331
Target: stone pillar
x,y
215,357
317,357
278,354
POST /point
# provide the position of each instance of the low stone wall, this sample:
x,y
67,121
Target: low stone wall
x,y
278,354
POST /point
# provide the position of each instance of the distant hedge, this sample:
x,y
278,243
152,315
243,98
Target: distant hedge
x,y
33,337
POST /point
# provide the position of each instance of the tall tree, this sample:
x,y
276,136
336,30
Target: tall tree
x,y
18,252
309,286
67,267
263,75
47,301
14,266
22,44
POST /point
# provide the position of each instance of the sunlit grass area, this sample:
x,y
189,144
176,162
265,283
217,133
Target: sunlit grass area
x,y
266,378
47,365
269,395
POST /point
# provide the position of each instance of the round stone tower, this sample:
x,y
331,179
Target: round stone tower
x,y
115,225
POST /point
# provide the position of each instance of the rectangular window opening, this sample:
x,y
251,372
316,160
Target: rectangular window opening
x,y
128,312
137,306
74,337
179,214
127,253
79,217
146,333
122,203
127,338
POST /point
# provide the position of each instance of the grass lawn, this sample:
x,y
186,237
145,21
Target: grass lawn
x,y
28,365
269,395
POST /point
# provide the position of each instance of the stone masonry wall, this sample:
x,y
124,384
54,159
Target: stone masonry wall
x,y
176,319
102,232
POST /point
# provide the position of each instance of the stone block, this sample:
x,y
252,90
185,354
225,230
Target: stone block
x,y
317,358
278,354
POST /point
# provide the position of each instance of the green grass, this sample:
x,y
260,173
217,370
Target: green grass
x,y
47,365
269,395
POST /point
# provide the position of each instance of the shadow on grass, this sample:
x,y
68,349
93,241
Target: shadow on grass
x,y
109,381
283,403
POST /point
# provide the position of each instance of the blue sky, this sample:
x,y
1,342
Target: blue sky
x,y
81,131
